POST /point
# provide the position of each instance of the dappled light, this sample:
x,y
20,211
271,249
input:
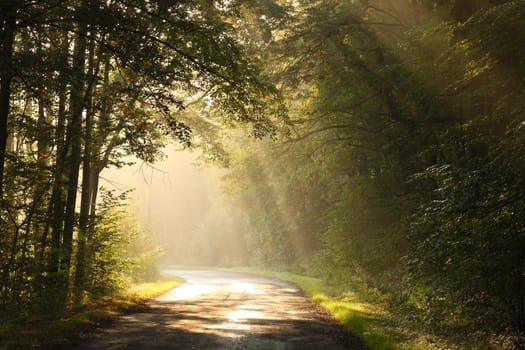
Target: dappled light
x,y
244,315
372,152
187,291
225,314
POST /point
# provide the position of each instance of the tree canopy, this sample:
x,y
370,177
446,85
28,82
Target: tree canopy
x,y
376,144
400,167
82,84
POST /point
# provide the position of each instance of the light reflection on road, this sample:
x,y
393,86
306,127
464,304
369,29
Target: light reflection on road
x,y
243,315
188,291
248,288
216,310
238,317
193,289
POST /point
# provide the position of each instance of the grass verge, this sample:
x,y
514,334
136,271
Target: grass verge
x,y
366,318
40,330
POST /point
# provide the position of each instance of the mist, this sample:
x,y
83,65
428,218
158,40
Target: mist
x,y
180,201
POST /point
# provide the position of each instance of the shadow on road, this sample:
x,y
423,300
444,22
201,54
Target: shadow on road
x,y
226,311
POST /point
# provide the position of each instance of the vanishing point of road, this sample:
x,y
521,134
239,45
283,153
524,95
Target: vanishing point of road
x,y
225,310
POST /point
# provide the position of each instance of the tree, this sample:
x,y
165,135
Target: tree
x,y
400,162
107,79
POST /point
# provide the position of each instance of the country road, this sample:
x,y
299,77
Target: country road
x,y
225,310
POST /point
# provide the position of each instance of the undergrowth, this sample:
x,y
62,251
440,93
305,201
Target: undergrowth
x,y
42,329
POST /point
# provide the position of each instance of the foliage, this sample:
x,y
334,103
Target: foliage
x,y
393,161
119,251
400,169
82,85
141,251
106,251
47,331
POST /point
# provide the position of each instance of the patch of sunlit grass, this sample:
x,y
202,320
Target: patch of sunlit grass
x,y
363,319
153,289
42,330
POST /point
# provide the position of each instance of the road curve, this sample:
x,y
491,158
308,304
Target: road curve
x,y
225,310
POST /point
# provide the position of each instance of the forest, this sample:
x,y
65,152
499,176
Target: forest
x,y
376,144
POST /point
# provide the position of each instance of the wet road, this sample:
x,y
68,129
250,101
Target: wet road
x,y
225,310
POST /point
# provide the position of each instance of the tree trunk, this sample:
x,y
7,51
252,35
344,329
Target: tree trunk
x,y
74,139
85,200
58,196
94,178
520,294
6,75
40,196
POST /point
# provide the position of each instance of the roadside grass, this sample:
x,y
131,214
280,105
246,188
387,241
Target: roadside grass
x,y
360,313
39,330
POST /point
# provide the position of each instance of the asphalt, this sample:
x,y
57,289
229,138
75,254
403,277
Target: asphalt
x,y
225,310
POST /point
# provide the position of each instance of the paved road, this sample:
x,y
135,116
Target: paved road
x,y
225,310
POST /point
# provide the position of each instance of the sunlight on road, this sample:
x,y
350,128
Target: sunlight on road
x,y
199,285
243,315
230,306
188,291
218,310
192,289
248,288
237,320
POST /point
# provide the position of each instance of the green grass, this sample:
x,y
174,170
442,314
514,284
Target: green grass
x,y
41,330
365,317
153,289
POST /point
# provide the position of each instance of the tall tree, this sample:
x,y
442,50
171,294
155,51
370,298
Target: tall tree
x,y
8,18
107,79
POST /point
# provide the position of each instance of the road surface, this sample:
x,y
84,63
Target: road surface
x,y
225,310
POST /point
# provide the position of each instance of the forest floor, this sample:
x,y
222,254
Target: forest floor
x,y
224,310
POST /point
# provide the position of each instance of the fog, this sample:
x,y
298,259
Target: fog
x,y
180,201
